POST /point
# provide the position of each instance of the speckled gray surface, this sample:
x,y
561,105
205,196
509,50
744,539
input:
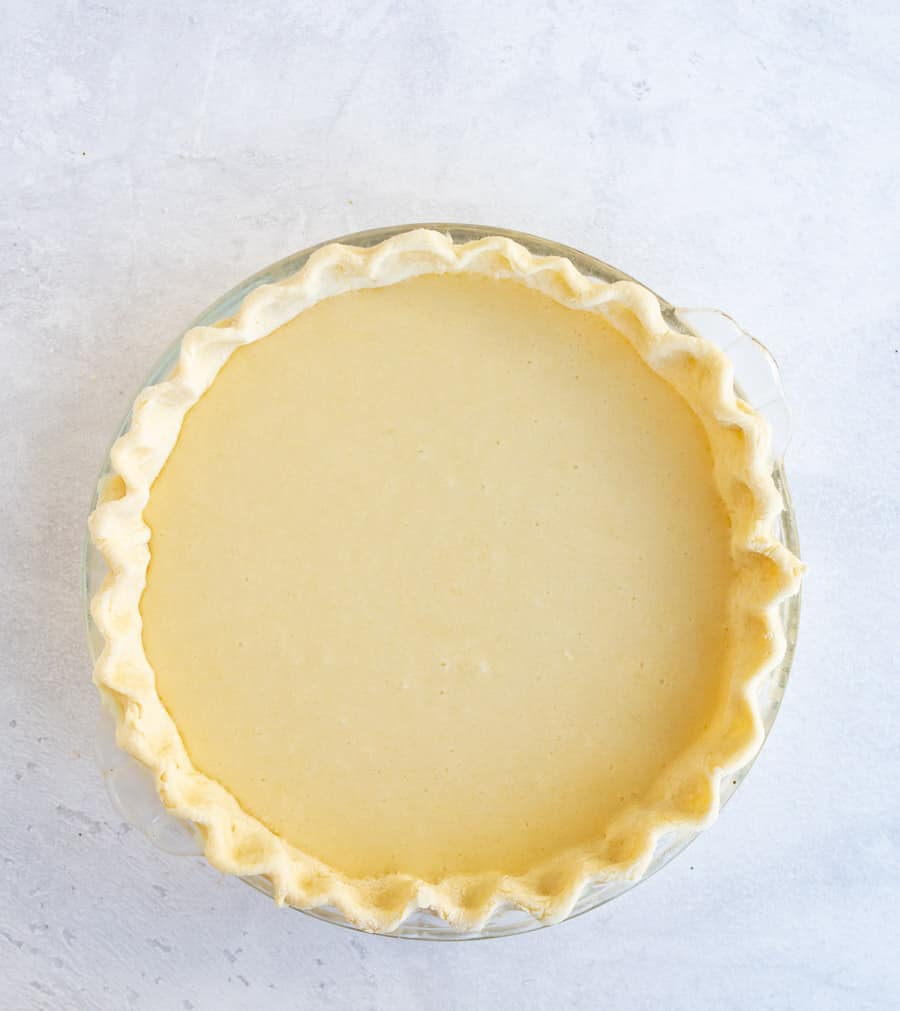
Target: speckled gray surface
x,y
737,154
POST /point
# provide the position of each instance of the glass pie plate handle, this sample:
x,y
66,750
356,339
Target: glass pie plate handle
x,y
133,794
756,373
131,786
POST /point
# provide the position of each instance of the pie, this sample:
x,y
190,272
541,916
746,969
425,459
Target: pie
x,y
440,576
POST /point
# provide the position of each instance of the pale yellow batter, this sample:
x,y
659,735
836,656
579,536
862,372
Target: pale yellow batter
x,y
439,578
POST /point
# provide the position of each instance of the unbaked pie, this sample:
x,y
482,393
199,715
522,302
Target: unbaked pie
x,y
440,576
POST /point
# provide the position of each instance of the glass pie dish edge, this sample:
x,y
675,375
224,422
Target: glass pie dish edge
x,y
758,382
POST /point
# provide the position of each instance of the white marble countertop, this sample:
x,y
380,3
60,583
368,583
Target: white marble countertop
x,y
736,154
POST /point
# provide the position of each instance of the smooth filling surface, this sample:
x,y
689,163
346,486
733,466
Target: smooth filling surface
x,y
439,578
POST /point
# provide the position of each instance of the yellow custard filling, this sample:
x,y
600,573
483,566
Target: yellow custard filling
x,y
439,578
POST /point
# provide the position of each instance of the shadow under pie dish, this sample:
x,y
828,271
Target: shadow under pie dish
x,y
441,575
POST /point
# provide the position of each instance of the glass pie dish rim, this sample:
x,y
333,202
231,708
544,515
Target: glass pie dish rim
x,y
423,924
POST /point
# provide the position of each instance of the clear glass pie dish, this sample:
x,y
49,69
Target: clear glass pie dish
x,y
131,786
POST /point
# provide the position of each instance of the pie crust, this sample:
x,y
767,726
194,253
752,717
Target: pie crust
x,y
685,796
